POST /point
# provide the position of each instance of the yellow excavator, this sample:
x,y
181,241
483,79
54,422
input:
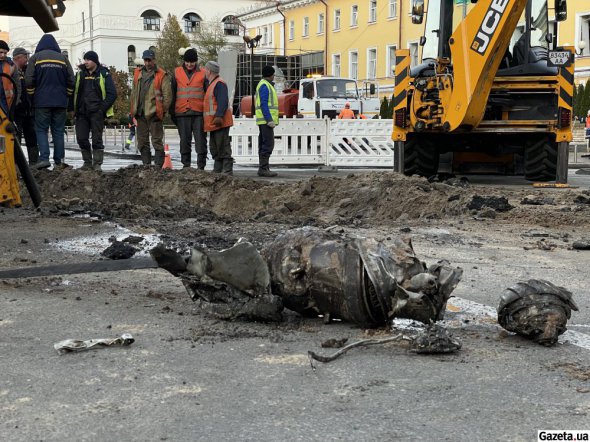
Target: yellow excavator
x,y
45,13
492,92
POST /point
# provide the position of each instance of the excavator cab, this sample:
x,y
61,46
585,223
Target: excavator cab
x,y
486,95
45,13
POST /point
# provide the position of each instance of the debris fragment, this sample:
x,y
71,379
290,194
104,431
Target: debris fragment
x,y
581,244
314,272
537,310
431,340
537,200
75,345
119,250
498,203
334,343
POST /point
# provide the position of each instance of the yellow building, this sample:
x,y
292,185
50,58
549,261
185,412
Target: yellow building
x,y
360,36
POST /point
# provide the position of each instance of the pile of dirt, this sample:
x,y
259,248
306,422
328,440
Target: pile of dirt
x,y
374,198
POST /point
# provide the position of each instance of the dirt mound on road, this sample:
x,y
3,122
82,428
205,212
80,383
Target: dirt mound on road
x,y
374,198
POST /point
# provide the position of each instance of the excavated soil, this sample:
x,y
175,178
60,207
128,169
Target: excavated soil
x,y
371,199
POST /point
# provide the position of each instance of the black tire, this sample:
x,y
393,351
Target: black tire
x,y
540,160
421,157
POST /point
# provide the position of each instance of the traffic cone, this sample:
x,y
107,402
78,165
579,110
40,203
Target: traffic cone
x,y
167,161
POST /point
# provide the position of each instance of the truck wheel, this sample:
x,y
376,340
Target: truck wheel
x,y
420,157
540,160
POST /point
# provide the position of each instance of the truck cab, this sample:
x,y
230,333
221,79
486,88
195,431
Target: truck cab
x,y
321,96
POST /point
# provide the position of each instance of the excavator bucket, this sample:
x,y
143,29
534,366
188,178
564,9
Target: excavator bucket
x,y
44,12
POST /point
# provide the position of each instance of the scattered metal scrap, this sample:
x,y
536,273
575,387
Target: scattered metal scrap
x,y
537,310
75,345
314,272
432,340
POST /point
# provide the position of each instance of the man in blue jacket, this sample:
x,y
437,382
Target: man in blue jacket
x,y
94,96
267,118
50,80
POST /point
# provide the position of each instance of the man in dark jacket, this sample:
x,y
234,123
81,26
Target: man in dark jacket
x,y
25,121
50,80
94,96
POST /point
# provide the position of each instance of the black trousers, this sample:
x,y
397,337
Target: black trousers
x,y
189,128
25,126
220,144
86,123
266,140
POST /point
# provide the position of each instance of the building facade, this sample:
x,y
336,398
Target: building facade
x,y
119,31
358,38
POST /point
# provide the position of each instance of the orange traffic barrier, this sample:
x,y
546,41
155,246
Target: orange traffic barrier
x,y
167,161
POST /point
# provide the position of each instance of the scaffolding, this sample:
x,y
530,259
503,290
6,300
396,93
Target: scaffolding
x,y
292,68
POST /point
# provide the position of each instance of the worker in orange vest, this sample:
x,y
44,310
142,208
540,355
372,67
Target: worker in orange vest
x,y
346,113
8,93
188,92
218,119
588,125
150,101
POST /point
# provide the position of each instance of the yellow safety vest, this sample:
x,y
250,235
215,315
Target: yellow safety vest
x,y
110,111
273,103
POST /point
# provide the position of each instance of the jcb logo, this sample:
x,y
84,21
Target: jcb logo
x,y
490,23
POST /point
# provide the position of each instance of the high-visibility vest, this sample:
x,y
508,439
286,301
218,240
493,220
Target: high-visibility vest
x,y
346,114
273,103
190,93
7,85
588,122
158,79
103,90
210,109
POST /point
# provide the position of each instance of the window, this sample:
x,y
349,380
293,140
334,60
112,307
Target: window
x,y
131,55
353,69
584,34
291,30
264,35
192,22
308,90
151,20
354,15
413,54
337,19
305,26
390,67
321,23
230,26
371,64
392,8
372,11
336,65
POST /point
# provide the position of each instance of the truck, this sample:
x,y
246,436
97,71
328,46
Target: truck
x,y
45,13
320,96
493,95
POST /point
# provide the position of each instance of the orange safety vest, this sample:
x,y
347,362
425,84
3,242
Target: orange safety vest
x,y
346,114
7,84
189,93
587,122
210,110
158,78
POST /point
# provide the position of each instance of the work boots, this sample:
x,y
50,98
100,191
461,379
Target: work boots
x,y
218,166
97,160
87,157
264,168
228,166
159,158
146,156
33,152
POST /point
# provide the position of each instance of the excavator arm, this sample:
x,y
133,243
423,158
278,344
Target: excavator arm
x,y
43,11
477,48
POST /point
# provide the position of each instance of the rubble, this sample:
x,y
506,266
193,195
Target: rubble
x,y
119,250
314,272
536,309
498,203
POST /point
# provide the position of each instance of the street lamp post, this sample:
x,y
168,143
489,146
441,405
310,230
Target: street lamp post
x,y
251,43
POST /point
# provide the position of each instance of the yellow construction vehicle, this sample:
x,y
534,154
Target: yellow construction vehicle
x,y
11,155
492,92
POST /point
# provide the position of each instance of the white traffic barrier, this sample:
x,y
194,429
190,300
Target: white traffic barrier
x,y
303,141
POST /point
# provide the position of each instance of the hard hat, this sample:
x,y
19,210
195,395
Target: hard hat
x,y
347,104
